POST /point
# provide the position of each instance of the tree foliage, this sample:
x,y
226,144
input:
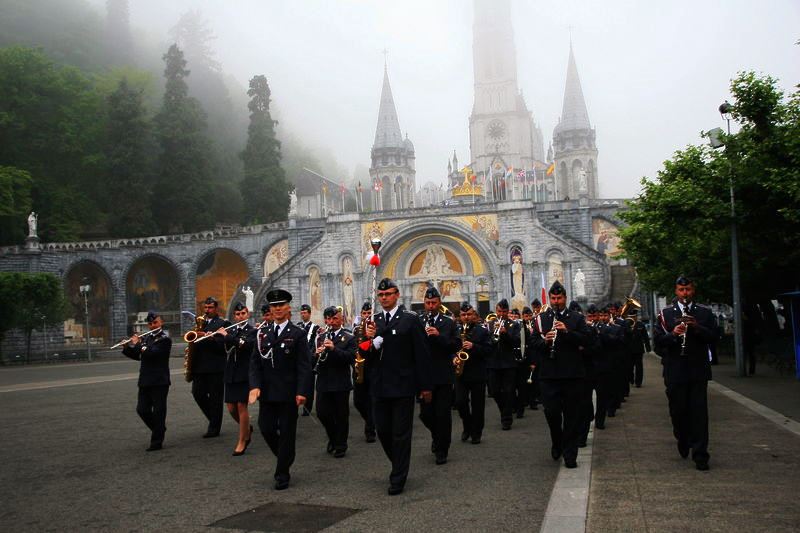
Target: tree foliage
x,y
681,221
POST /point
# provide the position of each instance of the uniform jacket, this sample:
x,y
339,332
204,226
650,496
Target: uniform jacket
x,y
153,352
694,366
475,366
567,362
239,346
336,371
639,340
443,348
610,339
506,348
209,355
281,366
402,365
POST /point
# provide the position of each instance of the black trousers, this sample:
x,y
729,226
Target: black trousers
x,y
521,388
604,385
619,379
688,409
209,394
562,409
534,394
278,424
502,382
151,406
394,419
471,404
309,405
587,406
362,400
637,369
333,411
438,417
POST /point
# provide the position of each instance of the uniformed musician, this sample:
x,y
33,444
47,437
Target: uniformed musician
x,y
502,365
239,343
682,335
334,358
208,369
153,352
400,370
362,397
471,384
280,378
311,330
443,343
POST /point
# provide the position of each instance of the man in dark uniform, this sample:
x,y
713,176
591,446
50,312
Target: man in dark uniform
x,y
362,397
239,342
442,345
639,344
523,358
682,335
587,352
208,368
153,352
280,377
619,354
609,338
471,385
502,365
334,365
311,330
557,347
400,369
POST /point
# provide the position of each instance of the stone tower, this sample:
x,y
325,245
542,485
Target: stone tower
x,y
575,151
501,128
392,169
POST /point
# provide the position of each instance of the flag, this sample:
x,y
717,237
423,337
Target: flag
x,y
551,168
521,175
544,291
378,185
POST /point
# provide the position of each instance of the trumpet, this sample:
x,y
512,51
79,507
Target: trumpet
x,y
530,378
555,335
214,333
462,356
501,323
143,335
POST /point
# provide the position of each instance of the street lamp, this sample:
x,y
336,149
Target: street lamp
x,y
85,288
725,110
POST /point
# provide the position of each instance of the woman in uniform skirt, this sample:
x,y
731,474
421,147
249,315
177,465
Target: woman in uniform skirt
x,y
239,345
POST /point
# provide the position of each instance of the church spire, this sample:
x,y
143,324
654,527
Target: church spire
x,y
574,115
387,134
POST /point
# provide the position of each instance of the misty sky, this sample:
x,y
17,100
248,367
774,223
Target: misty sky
x,y
653,73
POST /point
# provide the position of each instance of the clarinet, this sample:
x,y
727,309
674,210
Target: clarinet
x,y
555,335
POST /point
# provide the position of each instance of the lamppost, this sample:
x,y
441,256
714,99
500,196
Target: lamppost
x,y
85,288
725,110
44,334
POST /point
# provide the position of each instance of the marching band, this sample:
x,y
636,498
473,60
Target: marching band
x,y
578,366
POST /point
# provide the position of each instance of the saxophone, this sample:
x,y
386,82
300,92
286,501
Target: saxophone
x,y
462,356
188,353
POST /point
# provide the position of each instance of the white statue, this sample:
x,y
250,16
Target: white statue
x,y
583,185
32,219
579,284
248,298
435,263
292,204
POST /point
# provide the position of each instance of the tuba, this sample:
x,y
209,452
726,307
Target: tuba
x,y
630,304
462,356
188,353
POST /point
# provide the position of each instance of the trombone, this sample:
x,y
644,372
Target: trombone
x,y
143,335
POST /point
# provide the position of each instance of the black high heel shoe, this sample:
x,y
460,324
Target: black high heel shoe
x,y
237,454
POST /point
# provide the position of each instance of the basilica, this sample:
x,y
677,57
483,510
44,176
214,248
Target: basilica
x,y
510,220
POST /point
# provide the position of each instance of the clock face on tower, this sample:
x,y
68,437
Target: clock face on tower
x,y
496,130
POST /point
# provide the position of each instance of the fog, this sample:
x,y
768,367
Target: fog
x,y
653,73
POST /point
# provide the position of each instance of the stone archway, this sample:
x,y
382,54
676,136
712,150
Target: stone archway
x,y
99,299
219,273
152,283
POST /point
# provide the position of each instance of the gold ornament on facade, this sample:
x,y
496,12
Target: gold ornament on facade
x,y
468,188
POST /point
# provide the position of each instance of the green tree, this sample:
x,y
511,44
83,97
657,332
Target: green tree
x,y
128,166
265,190
184,170
32,299
681,220
15,204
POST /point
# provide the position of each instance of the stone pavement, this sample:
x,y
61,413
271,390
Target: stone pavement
x,y
640,483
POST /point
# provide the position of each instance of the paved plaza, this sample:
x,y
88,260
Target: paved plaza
x,y
73,460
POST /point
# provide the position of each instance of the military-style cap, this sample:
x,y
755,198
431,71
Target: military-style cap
x,y
575,307
503,304
592,309
278,296
466,306
305,307
210,301
239,307
366,307
432,293
265,309
515,311
152,315
386,284
683,280
557,288
536,303
331,311
527,310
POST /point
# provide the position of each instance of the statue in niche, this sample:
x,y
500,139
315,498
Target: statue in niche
x,y
293,204
579,284
518,299
436,263
249,297
347,290
33,219
583,185
315,293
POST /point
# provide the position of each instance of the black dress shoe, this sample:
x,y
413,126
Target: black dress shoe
x,y
441,459
370,437
281,485
464,436
329,449
520,414
555,453
570,463
211,434
154,447
339,453
394,490
683,449
599,425
476,440
535,407
701,465
433,447
506,426
612,414
582,444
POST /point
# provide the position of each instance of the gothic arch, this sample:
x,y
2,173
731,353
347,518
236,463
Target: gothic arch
x,y
153,281
100,301
218,272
